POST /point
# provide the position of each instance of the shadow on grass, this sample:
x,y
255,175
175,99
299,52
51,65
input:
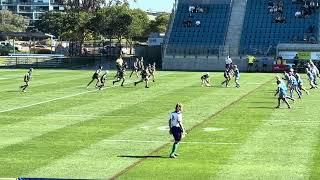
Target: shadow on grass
x,y
263,102
142,157
262,107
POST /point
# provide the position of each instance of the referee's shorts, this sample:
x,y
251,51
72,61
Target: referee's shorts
x,y
177,133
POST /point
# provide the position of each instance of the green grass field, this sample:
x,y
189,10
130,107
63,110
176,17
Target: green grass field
x,y
60,129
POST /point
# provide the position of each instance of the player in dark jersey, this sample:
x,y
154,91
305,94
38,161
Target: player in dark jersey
x,y
103,80
121,75
205,81
27,78
135,68
95,76
152,71
227,75
144,77
141,65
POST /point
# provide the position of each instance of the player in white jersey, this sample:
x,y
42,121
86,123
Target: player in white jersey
x,y
315,72
176,128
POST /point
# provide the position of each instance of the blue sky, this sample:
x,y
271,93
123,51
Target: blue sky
x,y
154,5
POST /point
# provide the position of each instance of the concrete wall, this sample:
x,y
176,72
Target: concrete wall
x,y
211,63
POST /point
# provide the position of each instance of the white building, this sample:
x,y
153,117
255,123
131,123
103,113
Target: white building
x,y
32,9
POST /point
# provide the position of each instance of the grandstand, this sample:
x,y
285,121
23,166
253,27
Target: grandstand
x,y
233,27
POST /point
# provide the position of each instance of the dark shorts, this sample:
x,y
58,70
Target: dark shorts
x,y
264,65
250,64
95,76
177,133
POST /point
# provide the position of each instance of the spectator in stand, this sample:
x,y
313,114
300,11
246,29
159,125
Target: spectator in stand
x,y
298,14
271,10
189,23
312,4
185,23
198,23
280,19
191,10
270,4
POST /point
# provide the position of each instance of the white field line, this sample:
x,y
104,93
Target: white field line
x,y
163,142
79,115
290,121
59,98
43,102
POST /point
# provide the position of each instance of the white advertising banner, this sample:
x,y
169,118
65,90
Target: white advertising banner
x,y
315,56
287,54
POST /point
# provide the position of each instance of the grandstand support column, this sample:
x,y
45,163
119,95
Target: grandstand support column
x,y
232,41
318,28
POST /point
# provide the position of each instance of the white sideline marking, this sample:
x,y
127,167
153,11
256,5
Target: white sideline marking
x,y
43,102
89,116
212,129
301,121
55,99
64,97
183,142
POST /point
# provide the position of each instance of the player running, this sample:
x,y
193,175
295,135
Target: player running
x,y
144,77
27,78
227,75
103,80
152,71
95,76
176,128
293,86
300,82
311,79
141,65
205,80
286,77
135,68
236,75
315,72
121,75
282,91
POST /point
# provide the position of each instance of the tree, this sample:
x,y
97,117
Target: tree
x,y
93,5
137,28
110,3
76,28
160,24
52,23
12,22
